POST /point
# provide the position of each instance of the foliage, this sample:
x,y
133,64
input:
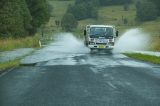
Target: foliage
x,y
14,19
7,65
17,20
114,2
126,6
84,9
11,44
39,12
69,22
157,4
146,11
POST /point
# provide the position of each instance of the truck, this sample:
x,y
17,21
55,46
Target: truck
x,y
100,37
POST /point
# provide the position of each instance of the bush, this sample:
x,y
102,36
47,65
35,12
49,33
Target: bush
x,y
83,10
126,7
146,11
69,22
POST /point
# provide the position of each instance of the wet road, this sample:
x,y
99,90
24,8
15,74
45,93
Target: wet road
x,y
75,77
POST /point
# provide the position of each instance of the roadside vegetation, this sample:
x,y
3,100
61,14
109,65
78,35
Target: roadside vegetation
x,y
49,16
9,64
11,44
12,63
20,21
144,57
24,22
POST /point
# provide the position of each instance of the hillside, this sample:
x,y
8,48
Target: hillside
x,y
113,15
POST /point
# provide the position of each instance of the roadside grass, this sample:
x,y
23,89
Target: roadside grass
x,y
155,44
10,43
144,57
9,64
152,27
12,63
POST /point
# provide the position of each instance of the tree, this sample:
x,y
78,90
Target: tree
x,y
14,18
19,18
39,11
27,18
126,7
83,10
69,22
146,11
114,2
157,3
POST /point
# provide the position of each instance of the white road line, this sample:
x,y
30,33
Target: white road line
x,y
110,84
4,73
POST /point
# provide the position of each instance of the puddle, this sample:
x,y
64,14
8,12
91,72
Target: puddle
x,y
12,55
64,45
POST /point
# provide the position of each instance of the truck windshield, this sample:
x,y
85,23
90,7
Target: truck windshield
x,y
101,31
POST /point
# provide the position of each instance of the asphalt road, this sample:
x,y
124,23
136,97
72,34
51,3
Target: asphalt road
x,y
81,79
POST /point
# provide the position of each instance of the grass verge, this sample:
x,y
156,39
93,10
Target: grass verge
x,y
10,44
9,64
144,57
13,63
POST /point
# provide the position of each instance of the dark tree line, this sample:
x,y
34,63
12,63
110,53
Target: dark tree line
x,y
114,2
20,18
88,8
148,10
83,9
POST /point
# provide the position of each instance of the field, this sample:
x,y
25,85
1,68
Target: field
x,y
114,15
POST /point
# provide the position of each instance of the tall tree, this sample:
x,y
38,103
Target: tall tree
x,y
39,12
114,2
69,22
14,18
157,3
84,9
146,11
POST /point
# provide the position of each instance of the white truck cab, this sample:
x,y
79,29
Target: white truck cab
x,y
100,37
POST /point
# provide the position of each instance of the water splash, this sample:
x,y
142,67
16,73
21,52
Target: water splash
x,y
64,47
132,40
69,43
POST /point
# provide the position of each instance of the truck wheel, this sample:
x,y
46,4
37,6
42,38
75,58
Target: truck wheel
x,y
92,50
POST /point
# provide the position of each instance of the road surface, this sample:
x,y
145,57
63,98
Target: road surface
x,y
80,78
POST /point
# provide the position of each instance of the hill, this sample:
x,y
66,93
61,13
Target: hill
x,y
114,15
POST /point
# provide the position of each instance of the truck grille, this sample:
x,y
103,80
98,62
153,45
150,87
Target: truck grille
x,y
101,43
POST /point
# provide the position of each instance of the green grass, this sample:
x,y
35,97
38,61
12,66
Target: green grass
x,y
10,43
144,57
10,64
13,63
152,27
